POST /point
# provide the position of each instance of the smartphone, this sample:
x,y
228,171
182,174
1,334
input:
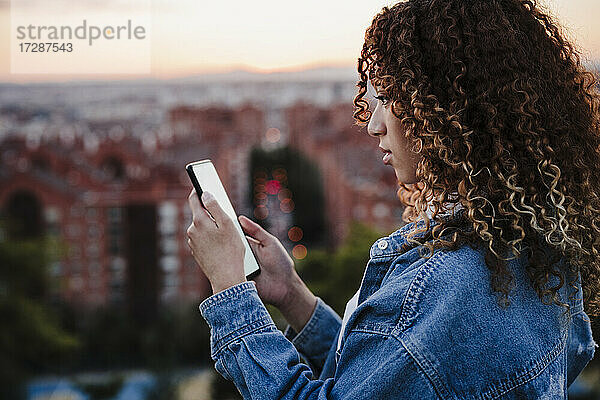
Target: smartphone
x,y
204,176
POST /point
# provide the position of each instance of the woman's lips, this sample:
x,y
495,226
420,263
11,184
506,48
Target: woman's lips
x,y
386,157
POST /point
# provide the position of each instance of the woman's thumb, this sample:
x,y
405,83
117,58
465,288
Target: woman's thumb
x,y
253,229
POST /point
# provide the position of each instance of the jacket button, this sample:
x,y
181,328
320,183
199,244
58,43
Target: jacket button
x,y
382,244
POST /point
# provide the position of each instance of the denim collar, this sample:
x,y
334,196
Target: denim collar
x,y
395,243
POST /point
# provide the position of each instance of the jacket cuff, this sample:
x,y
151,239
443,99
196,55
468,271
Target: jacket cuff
x,y
233,313
316,336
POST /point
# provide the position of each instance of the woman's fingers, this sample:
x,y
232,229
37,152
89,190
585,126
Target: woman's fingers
x,y
200,217
254,229
252,240
214,208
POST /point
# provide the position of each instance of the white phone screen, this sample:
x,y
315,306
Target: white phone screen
x,y
208,180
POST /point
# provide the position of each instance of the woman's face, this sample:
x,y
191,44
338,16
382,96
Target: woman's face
x,y
387,127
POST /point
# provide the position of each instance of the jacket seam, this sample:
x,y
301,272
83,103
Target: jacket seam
x,y
434,379
372,331
420,367
565,359
232,336
541,365
416,287
229,376
228,294
388,255
393,264
582,311
407,315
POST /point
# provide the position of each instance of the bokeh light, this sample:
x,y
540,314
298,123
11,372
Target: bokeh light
x,y
287,205
280,174
261,212
273,186
295,233
260,198
299,251
260,173
259,188
284,194
273,135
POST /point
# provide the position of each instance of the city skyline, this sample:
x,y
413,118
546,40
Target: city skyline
x,y
260,37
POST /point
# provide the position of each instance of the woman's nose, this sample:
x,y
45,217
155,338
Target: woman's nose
x,y
376,125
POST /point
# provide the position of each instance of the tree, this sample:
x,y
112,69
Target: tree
x,y
293,171
336,277
31,338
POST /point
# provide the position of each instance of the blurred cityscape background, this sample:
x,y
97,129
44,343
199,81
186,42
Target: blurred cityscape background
x,y
98,291
94,206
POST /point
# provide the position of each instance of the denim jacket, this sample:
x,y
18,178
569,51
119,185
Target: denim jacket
x,y
423,329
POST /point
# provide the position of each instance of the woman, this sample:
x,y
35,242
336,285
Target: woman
x,y
491,126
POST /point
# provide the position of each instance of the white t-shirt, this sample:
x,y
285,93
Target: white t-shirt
x,y
350,307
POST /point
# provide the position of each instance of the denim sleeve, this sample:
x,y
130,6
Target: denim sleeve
x,y
315,339
249,350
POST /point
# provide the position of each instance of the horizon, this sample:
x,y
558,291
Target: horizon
x,y
230,75
261,39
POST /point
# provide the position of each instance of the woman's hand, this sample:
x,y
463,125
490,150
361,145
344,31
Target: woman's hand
x,y
219,251
215,243
278,283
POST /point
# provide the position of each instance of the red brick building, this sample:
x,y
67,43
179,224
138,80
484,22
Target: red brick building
x,y
119,203
357,184
121,207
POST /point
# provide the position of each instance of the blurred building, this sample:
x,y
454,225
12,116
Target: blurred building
x,y
120,204
357,185
118,200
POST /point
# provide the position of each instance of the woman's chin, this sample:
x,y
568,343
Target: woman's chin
x,y
400,175
405,178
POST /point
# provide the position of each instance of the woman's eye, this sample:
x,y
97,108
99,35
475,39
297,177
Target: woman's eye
x,y
384,100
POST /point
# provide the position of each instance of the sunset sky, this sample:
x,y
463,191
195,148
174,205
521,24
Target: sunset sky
x,y
192,36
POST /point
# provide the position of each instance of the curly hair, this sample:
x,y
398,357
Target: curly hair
x,y
498,104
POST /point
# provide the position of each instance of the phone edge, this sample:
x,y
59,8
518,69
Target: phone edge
x,y
196,184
